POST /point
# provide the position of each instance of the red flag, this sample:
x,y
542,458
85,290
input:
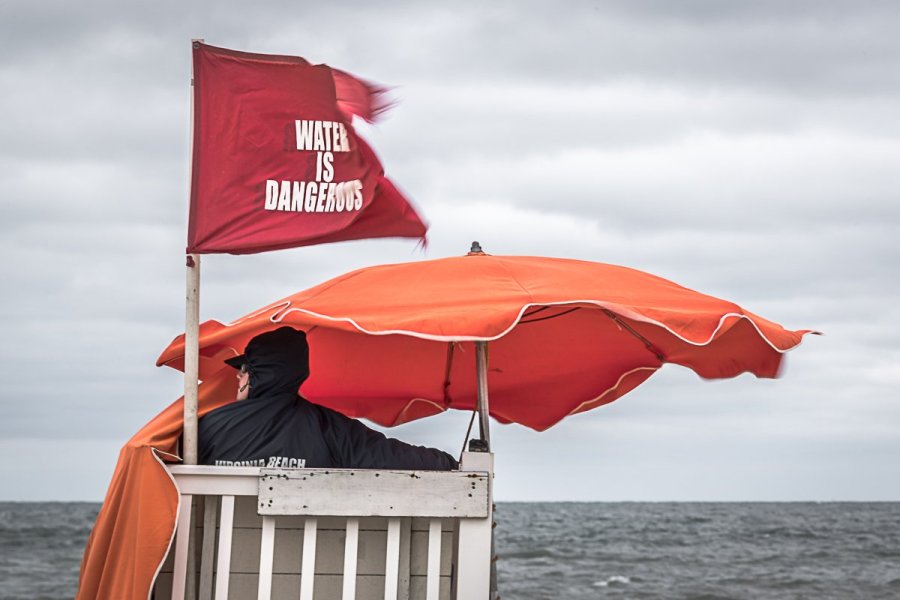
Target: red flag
x,y
276,161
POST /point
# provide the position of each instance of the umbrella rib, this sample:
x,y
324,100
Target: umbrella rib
x,y
468,433
647,343
565,312
535,311
447,373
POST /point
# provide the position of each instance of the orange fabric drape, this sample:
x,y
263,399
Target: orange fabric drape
x,y
137,521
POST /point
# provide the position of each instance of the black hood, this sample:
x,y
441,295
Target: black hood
x,y
278,362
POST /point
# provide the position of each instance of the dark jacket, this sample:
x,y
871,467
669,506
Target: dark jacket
x,y
275,427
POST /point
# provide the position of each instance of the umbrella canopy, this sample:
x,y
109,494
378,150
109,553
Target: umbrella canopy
x,y
395,343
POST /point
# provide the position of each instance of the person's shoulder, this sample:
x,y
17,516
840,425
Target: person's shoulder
x,y
323,413
235,407
221,412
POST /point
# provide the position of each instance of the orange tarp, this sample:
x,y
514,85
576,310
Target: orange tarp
x,y
137,520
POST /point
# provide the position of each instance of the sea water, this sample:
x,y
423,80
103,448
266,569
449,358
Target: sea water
x,y
707,551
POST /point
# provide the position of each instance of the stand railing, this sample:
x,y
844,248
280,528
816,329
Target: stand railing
x,y
331,534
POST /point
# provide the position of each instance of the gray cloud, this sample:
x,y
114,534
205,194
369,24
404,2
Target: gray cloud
x,y
745,149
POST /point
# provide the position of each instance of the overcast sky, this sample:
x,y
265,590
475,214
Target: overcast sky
x,y
749,150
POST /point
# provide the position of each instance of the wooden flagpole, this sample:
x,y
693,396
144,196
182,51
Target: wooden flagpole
x,y
191,359
191,324
189,454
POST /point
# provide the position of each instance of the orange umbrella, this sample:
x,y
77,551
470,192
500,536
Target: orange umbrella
x,y
395,343
399,342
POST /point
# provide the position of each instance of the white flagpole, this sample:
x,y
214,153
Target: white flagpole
x,y
191,324
191,358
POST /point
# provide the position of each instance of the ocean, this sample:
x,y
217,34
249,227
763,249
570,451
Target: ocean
x,y
574,551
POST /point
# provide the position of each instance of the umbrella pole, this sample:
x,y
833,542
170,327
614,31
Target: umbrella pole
x,y
481,366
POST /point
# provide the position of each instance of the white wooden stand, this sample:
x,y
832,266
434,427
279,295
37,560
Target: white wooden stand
x,y
335,533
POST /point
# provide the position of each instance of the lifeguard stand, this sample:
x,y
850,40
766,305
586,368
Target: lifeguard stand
x,y
331,534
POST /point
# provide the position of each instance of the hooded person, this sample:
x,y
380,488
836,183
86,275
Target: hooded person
x,y
271,425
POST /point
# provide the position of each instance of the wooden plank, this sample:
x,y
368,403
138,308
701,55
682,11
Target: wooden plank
x,y
473,559
328,587
266,556
216,481
351,551
419,558
190,586
366,493
405,541
168,563
424,524
308,564
418,588
223,566
208,549
433,581
246,515
179,470
183,534
289,550
392,560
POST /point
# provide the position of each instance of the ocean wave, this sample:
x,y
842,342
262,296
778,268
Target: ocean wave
x,y
526,554
613,580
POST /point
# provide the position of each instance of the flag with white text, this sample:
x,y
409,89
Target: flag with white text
x,y
276,162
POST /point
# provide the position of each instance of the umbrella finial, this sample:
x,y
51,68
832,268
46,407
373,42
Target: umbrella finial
x,y
475,249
